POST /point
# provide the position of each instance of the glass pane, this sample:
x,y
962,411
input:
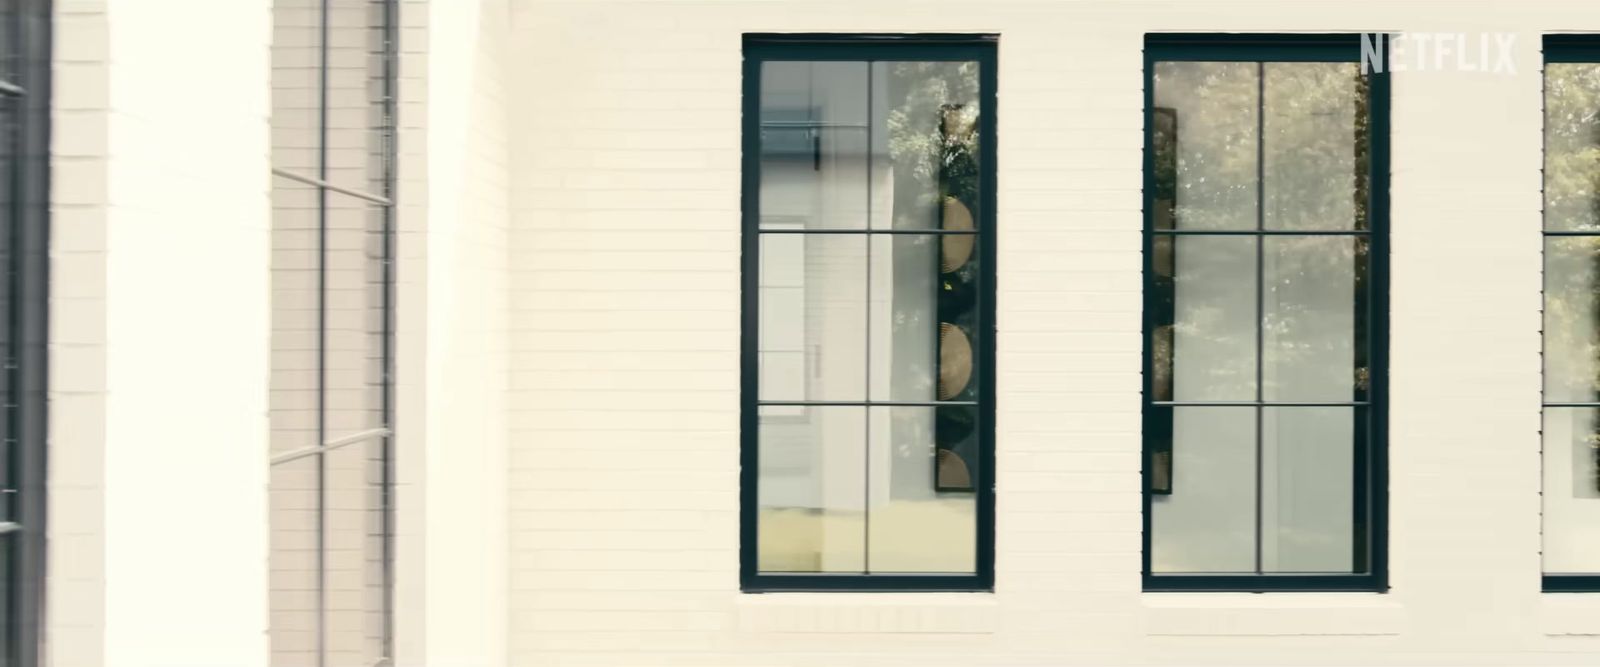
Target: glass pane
x,y
1206,114
353,553
814,145
1315,146
1208,521
813,317
1204,298
354,312
811,501
1571,146
924,326
1571,490
1571,319
355,95
925,144
1309,318
296,84
922,512
1308,489
295,302
293,499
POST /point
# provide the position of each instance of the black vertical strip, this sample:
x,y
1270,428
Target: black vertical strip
x,y
988,143
1377,488
750,186
386,464
1148,314
866,420
31,33
13,123
322,336
1261,288
1362,342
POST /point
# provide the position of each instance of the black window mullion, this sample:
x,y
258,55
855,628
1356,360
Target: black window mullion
x,y
1261,296
866,418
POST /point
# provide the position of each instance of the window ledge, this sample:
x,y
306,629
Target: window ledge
x,y
1563,614
855,613
1272,614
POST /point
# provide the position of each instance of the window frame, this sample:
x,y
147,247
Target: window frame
x,y
1560,48
763,47
1372,501
27,83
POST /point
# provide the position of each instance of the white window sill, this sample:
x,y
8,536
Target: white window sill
x,y
1568,614
1272,614
856,613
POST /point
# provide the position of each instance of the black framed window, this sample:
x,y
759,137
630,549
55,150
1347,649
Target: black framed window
x,y
25,32
1571,430
1265,313
868,316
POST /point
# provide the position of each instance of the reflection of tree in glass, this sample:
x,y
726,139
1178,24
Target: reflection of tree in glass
x,y
1571,203
933,143
1314,171
1572,263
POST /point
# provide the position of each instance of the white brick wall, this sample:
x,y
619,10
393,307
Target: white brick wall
x,y
624,296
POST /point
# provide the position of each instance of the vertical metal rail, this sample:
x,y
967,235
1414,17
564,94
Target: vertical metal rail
x,y
387,445
322,336
16,107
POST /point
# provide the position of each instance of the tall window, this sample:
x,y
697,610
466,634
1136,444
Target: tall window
x,y
333,84
1571,313
24,251
868,346
1265,308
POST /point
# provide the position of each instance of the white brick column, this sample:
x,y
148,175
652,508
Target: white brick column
x,y
452,375
159,357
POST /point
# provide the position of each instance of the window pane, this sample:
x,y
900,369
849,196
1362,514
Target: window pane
x,y
296,338
813,309
1207,114
296,85
1309,322
1571,319
1208,522
1204,302
924,322
1307,489
293,562
812,490
1315,146
1571,142
814,164
926,144
355,95
922,514
353,553
1571,490
354,316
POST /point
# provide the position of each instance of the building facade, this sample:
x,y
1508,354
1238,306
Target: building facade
x,y
748,332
